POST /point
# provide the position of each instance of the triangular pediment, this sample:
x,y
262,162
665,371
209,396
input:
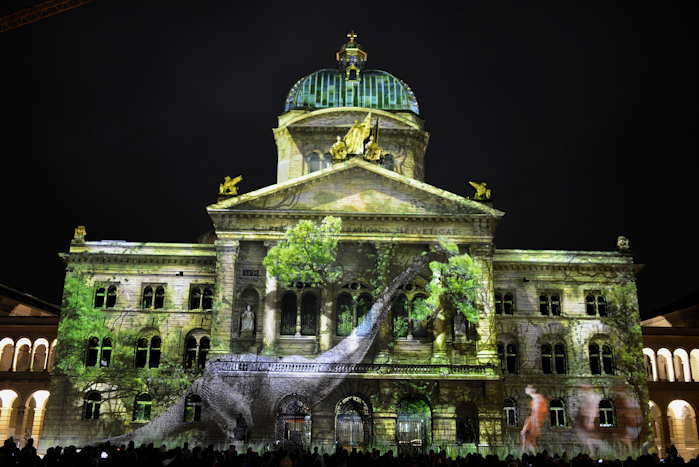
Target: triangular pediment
x,y
356,186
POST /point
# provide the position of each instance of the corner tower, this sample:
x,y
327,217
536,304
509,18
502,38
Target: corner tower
x,y
325,104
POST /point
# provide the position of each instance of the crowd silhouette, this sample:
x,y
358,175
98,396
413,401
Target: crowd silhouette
x,y
108,455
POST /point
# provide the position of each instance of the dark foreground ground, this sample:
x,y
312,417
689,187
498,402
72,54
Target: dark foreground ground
x,y
147,455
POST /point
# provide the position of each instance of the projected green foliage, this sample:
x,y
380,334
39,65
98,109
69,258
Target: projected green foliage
x,y
454,286
119,382
307,253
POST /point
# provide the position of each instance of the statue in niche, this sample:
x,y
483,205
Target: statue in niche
x,y
459,326
247,321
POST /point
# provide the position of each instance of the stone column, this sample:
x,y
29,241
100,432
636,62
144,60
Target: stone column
x,y
222,320
323,429
270,319
327,320
486,347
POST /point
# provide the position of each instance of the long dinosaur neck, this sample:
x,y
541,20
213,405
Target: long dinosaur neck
x,y
354,347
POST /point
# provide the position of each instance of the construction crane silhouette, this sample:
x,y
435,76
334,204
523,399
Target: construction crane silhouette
x,y
38,12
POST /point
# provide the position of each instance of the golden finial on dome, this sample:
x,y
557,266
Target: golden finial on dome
x,y
351,57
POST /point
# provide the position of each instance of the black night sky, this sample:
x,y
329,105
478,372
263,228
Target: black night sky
x,y
582,118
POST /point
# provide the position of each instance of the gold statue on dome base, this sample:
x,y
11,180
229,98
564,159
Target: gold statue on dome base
x,y
372,152
229,186
482,192
339,150
353,142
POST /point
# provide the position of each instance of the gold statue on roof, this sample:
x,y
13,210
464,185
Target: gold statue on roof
x,y
229,186
355,137
482,192
372,152
339,150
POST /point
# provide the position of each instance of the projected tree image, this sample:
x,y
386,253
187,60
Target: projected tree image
x,y
235,390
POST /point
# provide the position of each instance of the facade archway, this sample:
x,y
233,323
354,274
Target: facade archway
x,y
293,424
650,355
680,361
683,428
39,354
8,402
34,411
7,353
413,425
694,364
352,422
22,359
657,423
665,367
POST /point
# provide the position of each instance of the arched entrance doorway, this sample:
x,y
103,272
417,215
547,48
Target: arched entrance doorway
x,y
413,425
352,422
293,423
683,428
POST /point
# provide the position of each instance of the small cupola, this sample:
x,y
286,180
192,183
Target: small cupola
x,y
351,58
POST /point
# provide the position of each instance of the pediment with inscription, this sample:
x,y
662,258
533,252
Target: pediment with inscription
x,y
358,187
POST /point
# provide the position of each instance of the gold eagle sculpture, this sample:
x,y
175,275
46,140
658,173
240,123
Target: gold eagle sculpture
x,y
482,192
229,186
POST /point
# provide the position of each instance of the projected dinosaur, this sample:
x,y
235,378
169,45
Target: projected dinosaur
x,y
231,393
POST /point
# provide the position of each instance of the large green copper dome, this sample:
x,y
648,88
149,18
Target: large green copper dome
x,y
351,86
329,87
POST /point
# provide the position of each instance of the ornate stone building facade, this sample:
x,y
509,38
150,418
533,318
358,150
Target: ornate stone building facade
x,y
671,355
27,345
442,383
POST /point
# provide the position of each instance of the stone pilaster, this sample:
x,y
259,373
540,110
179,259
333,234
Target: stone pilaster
x,y
486,347
323,428
384,428
221,324
270,319
443,427
327,320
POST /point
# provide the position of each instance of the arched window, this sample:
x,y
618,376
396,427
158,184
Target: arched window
x,y
351,307
288,327
93,401
142,408
192,408
595,304
154,357
400,316
504,303
148,352
309,314
510,412
196,350
148,298
100,295
508,358
557,413
559,358
553,358
201,297
601,362
23,357
106,352
680,360
92,354
607,360
606,413
111,296
153,297
550,304
293,422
